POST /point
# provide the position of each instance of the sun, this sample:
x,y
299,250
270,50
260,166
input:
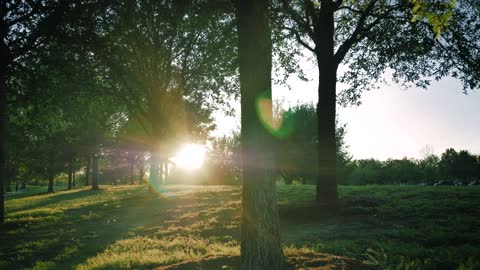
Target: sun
x,y
190,156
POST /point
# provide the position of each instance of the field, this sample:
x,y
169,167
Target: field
x,y
125,227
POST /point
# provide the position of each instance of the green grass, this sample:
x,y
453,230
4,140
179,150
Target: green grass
x,y
31,190
125,227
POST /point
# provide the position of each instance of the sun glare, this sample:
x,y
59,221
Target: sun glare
x,y
190,156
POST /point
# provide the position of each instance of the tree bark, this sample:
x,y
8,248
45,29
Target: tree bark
x,y
95,172
74,174
153,171
260,237
87,170
326,191
4,56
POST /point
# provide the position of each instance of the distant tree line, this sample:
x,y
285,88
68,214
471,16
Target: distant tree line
x,y
295,157
459,166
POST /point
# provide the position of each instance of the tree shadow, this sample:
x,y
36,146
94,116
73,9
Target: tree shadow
x,y
75,235
58,197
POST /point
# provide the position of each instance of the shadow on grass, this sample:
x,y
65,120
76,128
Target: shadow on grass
x,y
63,197
294,260
187,224
75,234
31,191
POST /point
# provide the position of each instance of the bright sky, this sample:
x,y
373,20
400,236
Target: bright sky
x,y
394,123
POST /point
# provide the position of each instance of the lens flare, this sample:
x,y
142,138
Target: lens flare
x,y
280,126
190,156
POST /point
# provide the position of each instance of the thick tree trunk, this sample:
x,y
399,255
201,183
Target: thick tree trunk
x,y
95,172
2,148
4,56
154,161
260,237
87,171
326,110
2,177
326,181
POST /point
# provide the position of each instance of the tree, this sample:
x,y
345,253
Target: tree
x,y
401,171
461,165
40,18
260,236
60,115
429,167
163,60
225,156
295,148
367,171
371,36
478,167
448,162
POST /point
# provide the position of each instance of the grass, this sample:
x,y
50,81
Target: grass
x,y
124,227
30,191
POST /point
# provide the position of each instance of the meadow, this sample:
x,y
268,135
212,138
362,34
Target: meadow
x,y
126,227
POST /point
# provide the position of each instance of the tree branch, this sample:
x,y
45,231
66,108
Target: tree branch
x,y
343,49
299,38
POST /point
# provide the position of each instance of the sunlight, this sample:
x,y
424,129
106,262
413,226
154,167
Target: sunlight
x,y
190,156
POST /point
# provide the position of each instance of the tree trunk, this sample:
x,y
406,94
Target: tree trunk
x,y
153,171
73,184
161,172
95,172
166,172
141,170
326,110
8,185
132,163
4,56
51,170
260,237
87,171
70,174
10,174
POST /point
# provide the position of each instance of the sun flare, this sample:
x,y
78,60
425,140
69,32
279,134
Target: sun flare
x,y
190,156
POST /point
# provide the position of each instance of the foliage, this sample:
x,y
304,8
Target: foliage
x,y
462,164
459,167
224,155
295,150
416,40
163,60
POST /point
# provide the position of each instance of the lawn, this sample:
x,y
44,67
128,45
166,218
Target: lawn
x,y
125,227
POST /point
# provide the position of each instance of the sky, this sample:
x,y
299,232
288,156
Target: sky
x,y
392,122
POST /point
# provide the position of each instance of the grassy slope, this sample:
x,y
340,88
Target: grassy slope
x,y
125,227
